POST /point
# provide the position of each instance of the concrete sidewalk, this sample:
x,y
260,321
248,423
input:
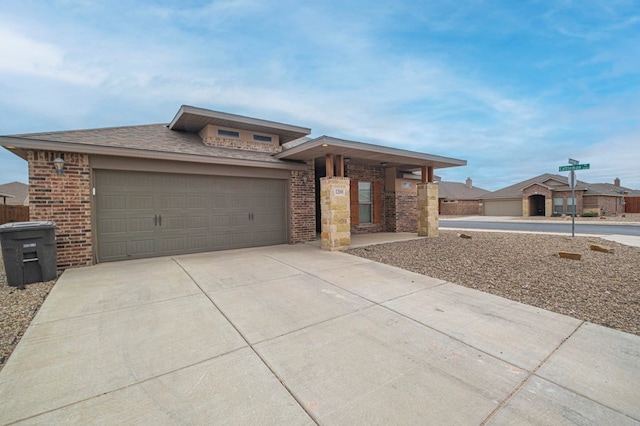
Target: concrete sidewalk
x,y
297,335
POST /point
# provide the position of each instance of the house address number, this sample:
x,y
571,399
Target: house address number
x,y
339,192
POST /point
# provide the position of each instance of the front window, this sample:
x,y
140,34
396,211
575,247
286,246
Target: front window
x,y
365,202
571,207
558,205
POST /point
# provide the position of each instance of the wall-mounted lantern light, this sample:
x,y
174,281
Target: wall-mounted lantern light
x,y
305,178
58,163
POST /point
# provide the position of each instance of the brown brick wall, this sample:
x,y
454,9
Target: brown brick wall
x,y
406,212
368,174
461,208
389,211
609,204
66,200
303,206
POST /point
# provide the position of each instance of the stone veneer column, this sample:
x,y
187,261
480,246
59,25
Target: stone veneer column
x,y
548,206
428,210
525,206
335,213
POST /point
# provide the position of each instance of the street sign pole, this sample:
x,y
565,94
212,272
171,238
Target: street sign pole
x,y
571,168
572,178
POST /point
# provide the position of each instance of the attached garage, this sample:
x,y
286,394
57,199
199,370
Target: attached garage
x,y
144,214
503,207
206,181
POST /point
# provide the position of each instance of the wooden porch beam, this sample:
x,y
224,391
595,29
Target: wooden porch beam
x,y
427,174
329,164
340,166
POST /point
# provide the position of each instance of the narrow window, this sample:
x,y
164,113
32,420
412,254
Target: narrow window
x,y
571,207
228,133
365,202
261,138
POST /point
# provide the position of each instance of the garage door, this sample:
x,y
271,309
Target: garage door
x,y
142,214
503,208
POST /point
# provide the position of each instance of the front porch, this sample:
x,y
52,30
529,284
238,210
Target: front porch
x,y
363,188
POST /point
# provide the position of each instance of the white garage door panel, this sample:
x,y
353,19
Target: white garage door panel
x,y
143,214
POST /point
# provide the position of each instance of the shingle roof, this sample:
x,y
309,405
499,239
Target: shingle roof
x,y
607,189
460,191
20,192
149,138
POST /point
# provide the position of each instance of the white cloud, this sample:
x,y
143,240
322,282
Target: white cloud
x,y
21,55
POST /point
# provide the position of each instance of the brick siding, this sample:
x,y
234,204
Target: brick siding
x,y
461,208
303,206
608,204
390,211
406,212
66,200
368,174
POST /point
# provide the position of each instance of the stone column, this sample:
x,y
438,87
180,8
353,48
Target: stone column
x,y
335,213
428,209
525,206
548,206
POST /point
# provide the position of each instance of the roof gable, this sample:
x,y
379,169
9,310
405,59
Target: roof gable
x,y
17,193
551,181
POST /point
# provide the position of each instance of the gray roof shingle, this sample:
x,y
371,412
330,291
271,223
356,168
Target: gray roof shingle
x,y
150,137
460,191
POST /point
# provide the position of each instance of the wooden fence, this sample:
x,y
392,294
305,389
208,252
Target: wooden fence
x,y
632,204
13,213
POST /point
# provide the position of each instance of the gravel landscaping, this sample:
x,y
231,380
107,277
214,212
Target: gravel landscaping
x,y
603,288
17,309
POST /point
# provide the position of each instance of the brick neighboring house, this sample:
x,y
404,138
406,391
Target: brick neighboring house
x,y
210,180
550,194
14,194
460,198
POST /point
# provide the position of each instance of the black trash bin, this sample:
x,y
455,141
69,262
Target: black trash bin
x,y
29,252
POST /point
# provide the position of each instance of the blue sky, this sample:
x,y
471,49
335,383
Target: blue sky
x,y
513,87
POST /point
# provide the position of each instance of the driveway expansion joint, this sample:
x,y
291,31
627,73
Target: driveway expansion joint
x,y
532,373
264,361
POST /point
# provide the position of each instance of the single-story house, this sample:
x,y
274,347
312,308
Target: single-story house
x,y
460,198
211,180
550,194
14,194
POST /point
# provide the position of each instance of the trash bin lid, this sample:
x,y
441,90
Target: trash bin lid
x,y
36,224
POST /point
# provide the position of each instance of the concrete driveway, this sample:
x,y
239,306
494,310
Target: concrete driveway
x,y
297,335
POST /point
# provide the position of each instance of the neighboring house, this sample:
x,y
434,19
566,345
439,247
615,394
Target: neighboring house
x,y
14,194
460,198
550,194
454,198
210,180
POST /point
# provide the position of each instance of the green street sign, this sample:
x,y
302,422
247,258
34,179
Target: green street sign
x,y
574,167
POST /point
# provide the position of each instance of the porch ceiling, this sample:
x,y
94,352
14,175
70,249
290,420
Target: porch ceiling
x,y
366,154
